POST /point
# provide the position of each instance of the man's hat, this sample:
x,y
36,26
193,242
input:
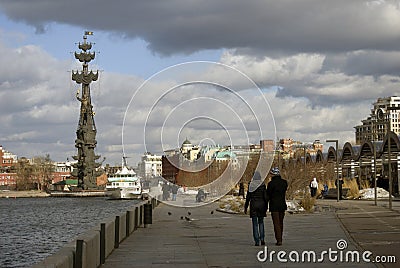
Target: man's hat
x,y
275,171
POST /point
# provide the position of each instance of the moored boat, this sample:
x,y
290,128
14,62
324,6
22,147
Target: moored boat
x,y
124,184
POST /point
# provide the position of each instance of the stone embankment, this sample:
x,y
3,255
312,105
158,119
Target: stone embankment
x,y
92,248
19,194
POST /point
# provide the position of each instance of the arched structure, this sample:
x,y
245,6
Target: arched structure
x,y
364,161
319,157
390,141
331,155
349,153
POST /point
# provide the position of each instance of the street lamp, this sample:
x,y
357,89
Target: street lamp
x,y
278,151
337,166
390,153
374,139
375,182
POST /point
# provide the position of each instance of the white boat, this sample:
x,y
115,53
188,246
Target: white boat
x,y
124,184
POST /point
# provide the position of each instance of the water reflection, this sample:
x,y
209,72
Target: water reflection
x,y
33,228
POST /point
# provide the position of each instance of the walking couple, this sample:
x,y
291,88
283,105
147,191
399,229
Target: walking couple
x,y
258,196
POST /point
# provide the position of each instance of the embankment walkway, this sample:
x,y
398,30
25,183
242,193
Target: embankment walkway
x,y
203,237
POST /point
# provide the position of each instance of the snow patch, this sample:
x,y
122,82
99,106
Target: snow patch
x,y
235,205
369,193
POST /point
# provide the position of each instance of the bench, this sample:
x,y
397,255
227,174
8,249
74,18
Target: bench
x,y
332,193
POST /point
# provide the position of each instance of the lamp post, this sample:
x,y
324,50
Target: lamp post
x,y
278,151
337,166
375,185
305,162
389,168
390,152
374,139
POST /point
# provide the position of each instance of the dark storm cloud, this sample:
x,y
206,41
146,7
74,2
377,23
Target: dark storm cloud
x,y
187,26
321,99
373,63
345,90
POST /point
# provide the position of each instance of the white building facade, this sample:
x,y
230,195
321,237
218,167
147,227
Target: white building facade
x,y
150,166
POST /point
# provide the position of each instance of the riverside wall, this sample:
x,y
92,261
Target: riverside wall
x,y
91,248
20,194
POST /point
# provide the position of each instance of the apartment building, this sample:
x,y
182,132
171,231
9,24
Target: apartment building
x,y
384,116
150,165
7,159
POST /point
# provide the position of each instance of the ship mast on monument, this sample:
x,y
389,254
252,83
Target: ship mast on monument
x,y
86,167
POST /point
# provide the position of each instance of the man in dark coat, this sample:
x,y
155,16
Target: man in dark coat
x,y
258,200
241,189
165,191
174,190
339,186
276,191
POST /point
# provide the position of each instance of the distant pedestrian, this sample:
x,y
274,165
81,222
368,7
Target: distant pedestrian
x,y
174,191
201,195
241,189
165,191
314,187
339,187
324,192
276,191
258,200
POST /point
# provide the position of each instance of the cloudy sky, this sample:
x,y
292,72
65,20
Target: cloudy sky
x,y
317,67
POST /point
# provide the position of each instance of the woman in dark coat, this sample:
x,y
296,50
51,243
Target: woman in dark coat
x,y
276,191
258,200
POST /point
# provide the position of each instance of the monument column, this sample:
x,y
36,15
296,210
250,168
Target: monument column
x,y
86,167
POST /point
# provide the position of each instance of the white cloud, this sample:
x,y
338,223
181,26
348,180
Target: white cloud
x,y
275,71
17,137
42,113
39,112
319,64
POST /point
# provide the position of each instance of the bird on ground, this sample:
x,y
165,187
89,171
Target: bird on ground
x,y
181,217
212,211
169,213
189,213
187,218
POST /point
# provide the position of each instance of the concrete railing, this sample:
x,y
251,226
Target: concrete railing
x,y
93,247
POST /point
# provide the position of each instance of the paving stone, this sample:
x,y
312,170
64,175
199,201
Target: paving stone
x,y
225,240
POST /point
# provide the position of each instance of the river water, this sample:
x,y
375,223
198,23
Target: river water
x,y
33,228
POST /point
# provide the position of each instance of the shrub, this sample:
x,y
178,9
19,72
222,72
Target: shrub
x,y
331,184
307,202
364,184
353,192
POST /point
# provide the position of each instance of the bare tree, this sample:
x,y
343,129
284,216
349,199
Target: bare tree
x,y
24,174
34,174
43,169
